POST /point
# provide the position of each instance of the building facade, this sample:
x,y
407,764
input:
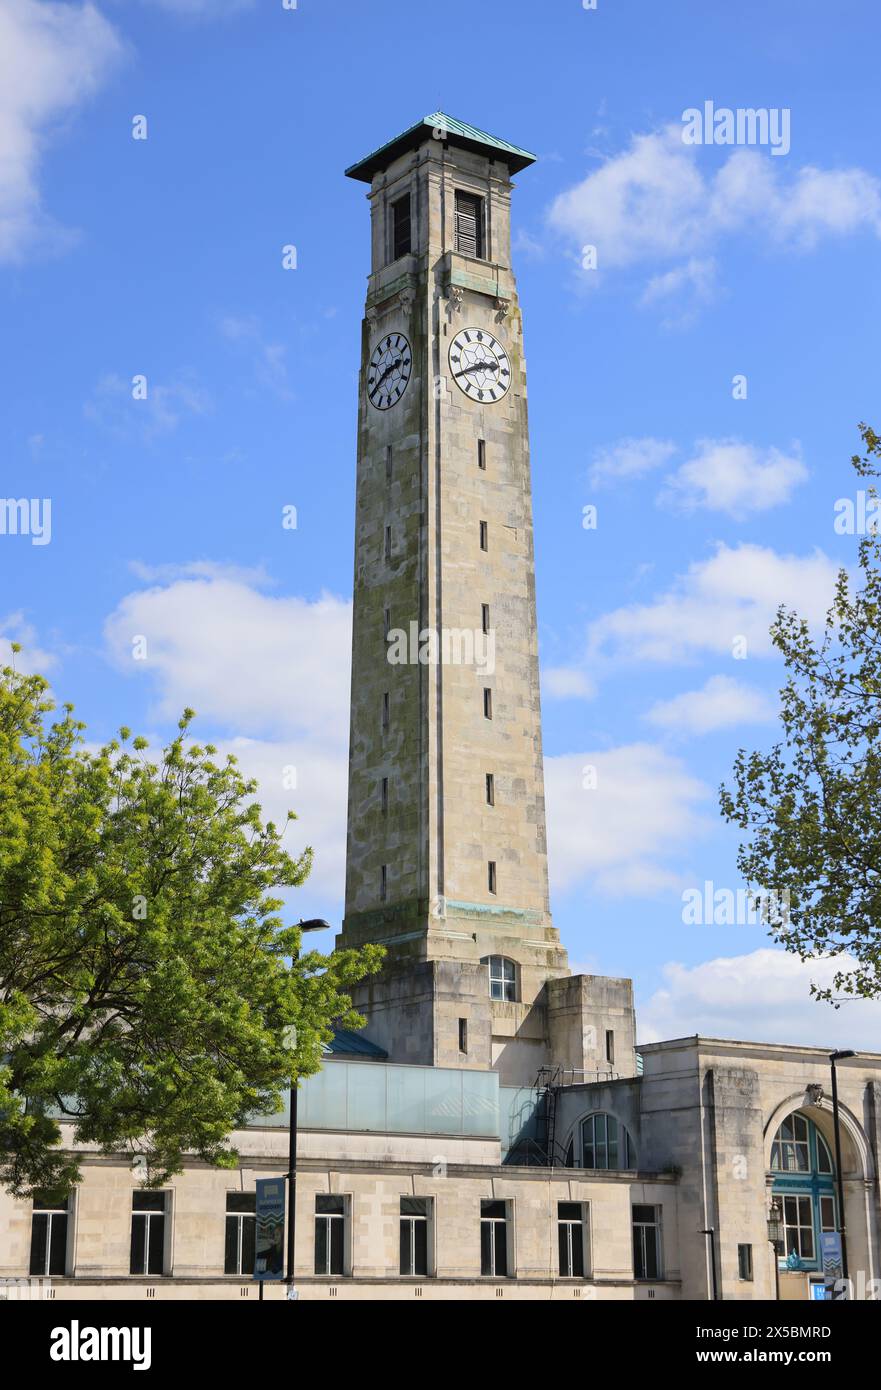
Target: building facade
x,y
495,1132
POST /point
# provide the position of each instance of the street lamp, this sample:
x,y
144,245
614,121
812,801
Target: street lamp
x,y
290,1042
775,1237
836,1125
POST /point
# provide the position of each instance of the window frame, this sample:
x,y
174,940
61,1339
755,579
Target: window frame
x,y
499,1228
640,1228
238,1219
149,1216
506,979
581,1235
333,1221
394,204
412,1220
58,1218
620,1141
463,196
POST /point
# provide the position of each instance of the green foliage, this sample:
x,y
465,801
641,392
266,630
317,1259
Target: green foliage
x,y
144,989
812,804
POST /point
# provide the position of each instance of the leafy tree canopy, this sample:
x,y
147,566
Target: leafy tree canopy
x,y
144,988
812,805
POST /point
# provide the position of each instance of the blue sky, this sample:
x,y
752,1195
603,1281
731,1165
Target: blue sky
x,y
163,257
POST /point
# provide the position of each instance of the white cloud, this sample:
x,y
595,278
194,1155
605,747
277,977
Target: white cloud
x,y
733,594
720,704
319,797
199,569
726,475
652,203
760,997
32,658
643,809
696,274
53,58
629,458
113,407
640,205
566,683
271,673
723,475
249,661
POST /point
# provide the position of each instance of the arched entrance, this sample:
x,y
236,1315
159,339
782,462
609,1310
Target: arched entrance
x,y
803,1184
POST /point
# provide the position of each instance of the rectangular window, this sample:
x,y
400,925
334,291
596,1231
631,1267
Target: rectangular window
x,y
494,1239
610,1045
487,703
491,875
646,1242
570,1239
388,463
330,1234
463,1035
484,536
798,1227
481,454
388,543
401,242
469,224
49,1238
490,789
484,617
147,1254
827,1214
241,1230
384,795
745,1262
502,978
385,710
383,882
415,1216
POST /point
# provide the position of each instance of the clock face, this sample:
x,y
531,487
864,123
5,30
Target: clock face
x,y
480,365
389,371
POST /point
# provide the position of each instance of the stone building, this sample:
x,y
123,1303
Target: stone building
x,y
494,1132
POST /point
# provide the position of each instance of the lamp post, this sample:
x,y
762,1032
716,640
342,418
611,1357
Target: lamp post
x,y
290,1042
836,1125
775,1238
710,1231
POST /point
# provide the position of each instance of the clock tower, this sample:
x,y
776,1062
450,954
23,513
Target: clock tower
x,y
446,853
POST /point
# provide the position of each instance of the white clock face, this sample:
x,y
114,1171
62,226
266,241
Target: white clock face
x,y
389,371
480,365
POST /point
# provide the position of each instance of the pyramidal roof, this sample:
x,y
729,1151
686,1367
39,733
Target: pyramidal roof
x,y
457,132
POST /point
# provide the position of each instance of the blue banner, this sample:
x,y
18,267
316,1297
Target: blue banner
x,y
269,1252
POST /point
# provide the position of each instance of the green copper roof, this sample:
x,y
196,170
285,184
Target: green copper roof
x,y
466,136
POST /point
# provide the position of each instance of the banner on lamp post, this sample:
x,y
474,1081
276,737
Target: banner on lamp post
x,y
269,1244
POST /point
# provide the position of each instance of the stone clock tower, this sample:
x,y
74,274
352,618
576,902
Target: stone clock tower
x,y
446,859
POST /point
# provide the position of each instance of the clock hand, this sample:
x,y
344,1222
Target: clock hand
x,y
390,368
478,367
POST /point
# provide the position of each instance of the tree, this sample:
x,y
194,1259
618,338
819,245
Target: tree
x,y
812,804
144,991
